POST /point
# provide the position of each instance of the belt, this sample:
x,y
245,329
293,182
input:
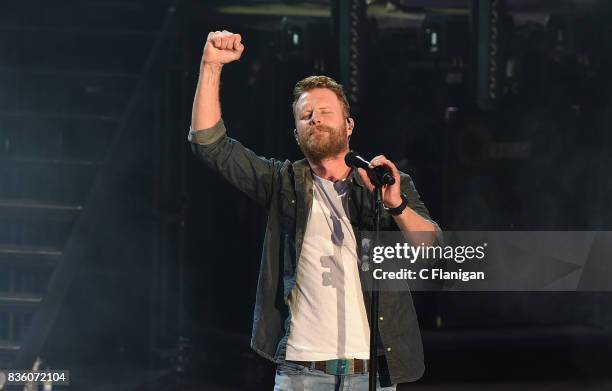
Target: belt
x,y
337,367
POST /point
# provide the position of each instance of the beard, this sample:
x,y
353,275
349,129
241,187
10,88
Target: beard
x,y
323,142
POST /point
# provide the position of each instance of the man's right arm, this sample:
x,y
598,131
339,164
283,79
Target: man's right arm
x,y
253,175
221,47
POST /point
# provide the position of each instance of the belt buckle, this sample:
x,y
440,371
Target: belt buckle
x,y
340,367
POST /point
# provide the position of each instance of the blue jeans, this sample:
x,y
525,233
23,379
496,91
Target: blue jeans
x,y
294,377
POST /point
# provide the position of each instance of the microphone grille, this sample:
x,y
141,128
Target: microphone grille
x,y
349,158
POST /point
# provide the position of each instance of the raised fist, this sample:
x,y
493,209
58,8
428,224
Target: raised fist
x,y
222,47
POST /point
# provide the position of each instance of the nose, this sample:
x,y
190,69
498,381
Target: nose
x,y
315,119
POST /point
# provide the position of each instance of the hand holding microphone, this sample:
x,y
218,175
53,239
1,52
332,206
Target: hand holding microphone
x,y
378,175
380,171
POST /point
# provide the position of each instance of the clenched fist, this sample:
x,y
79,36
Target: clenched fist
x,y
222,47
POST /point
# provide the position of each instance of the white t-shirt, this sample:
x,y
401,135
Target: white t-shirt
x,y
328,317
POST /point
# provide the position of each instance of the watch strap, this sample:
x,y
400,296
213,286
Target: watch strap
x,y
399,209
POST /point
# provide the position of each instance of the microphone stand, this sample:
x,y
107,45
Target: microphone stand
x,y
374,294
378,177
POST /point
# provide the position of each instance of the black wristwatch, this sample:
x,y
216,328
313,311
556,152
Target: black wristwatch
x,y
398,210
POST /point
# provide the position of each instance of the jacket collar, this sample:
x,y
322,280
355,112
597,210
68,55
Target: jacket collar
x,y
302,171
356,178
301,168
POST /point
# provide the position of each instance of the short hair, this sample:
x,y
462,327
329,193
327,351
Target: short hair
x,y
312,82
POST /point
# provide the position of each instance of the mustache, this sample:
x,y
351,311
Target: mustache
x,y
320,128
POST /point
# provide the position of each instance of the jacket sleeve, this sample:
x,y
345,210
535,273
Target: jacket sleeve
x,y
251,174
415,203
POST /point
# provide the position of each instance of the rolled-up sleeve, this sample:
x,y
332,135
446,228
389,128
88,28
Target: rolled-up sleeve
x,y
207,136
416,204
253,175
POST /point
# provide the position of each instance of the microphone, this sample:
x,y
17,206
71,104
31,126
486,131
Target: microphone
x,y
380,176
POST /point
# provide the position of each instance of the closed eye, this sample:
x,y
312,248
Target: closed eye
x,y
307,114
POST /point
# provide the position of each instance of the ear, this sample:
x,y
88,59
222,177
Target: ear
x,y
295,135
350,125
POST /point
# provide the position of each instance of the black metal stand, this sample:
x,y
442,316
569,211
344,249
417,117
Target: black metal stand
x,y
374,297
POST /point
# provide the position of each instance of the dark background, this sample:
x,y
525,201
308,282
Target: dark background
x,y
124,260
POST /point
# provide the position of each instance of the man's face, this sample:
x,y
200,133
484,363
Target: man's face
x,y
321,129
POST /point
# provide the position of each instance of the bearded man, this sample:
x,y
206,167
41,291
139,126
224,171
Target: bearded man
x,y
310,312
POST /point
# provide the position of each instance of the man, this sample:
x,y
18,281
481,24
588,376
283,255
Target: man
x,y
310,312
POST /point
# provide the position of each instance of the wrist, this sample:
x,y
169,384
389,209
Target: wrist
x,y
394,202
214,67
398,209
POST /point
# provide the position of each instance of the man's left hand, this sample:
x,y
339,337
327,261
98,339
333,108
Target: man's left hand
x,y
391,195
